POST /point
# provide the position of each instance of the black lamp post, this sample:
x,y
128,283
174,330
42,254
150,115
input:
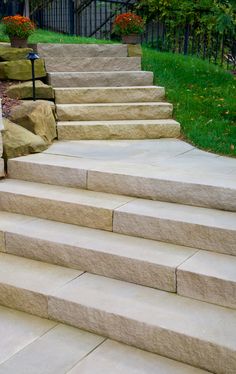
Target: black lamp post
x,y
32,56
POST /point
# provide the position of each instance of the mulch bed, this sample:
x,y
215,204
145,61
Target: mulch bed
x,y
7,103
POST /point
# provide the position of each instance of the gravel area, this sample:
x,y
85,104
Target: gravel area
x,y
7,103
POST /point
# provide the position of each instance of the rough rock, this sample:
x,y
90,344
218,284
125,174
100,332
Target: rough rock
x,y
1,145
18,141
13,54
37,117
21,70
24,91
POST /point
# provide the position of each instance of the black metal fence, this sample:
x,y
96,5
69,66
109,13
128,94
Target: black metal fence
x,y
94,18
10,8
86,18
189,39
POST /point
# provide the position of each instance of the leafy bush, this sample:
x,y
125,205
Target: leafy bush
x,y
211,15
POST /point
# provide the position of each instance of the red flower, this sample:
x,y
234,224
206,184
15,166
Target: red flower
x,y
128,23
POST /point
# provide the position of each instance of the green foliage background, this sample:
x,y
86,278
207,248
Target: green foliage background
x,y
213,15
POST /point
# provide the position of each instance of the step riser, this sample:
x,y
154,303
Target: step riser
x,y
24,300
141,335
81,50
207,288
49,174
124,112
92,64
77,214
112,79
97,262
106,131
176,232
162,190
109,95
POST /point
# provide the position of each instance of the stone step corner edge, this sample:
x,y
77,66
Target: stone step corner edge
x,y
2,172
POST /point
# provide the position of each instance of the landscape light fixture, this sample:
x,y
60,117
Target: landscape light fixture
x,y
32,56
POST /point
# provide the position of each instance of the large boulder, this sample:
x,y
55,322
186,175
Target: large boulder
x,y
21,70
2,172
24,91
13,54
37,117
18,141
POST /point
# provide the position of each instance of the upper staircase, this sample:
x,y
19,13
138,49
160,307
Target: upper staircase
x,y
131,239
101,93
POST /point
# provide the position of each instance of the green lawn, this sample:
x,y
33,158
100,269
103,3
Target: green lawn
x,y
204,98
44,36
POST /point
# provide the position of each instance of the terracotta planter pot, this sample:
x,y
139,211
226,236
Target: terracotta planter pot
x,y
131,39
17,42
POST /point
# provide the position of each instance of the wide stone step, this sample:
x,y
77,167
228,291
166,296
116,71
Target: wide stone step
x,y
166,183
194,332
209,229
66,64
130,129
135,260
197,274
63,204
56,348
202,228
46,50
80,95
101,79
114,111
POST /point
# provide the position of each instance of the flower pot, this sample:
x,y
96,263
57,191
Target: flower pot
x,y
131,39
17,42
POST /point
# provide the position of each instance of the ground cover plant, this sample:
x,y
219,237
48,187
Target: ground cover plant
x,y
204,98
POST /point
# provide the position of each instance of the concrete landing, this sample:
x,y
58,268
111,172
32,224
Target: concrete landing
x,y
169,153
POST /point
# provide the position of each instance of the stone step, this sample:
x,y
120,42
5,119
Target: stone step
x,y
80,95
113,111
194,332
204,228
197,274
130,129
49,347
196,227
101,79
63,204
46,50
140,261
168,183
67,64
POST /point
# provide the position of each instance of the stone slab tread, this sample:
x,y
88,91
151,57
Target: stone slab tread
x,y
191,272
149,319
139,180
203,228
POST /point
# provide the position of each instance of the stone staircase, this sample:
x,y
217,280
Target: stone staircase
x,y
101,93
140,253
